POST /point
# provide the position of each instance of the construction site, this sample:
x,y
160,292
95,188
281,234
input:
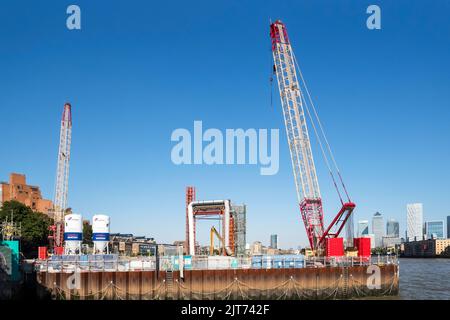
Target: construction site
x,y
335,265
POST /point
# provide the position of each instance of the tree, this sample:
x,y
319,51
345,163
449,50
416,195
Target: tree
x,y
87,232
34,226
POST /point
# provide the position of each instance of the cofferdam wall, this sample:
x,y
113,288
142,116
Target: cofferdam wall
x,y
297,283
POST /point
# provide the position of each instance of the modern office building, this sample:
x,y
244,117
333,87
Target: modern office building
x,y
274,241
434,229
448,227
391,241
414,221
392,228
378,229
363,228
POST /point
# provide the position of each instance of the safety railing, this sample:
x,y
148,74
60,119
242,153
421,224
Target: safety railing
x,y
94,263
87,263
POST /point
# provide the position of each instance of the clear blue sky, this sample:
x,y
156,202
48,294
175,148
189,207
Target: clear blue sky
x,y
138,70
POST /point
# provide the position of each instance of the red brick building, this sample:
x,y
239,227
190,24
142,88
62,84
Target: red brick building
x,y
18,190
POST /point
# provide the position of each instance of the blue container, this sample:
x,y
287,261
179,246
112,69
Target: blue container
x,y
278,262
187,262
267,262
257,262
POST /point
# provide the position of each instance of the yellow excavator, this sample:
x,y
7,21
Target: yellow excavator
x,y
222,250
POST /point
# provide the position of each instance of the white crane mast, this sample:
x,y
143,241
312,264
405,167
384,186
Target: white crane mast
x,y
294,118
292,99
62,173
308,192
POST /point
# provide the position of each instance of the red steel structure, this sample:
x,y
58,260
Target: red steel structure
x,y
294,105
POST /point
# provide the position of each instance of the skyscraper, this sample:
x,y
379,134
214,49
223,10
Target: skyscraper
x,y
448,227
414,221
378,229
392,228
435,229
363,228
274,241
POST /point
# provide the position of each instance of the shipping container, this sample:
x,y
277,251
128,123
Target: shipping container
x,y
42,253
256,262
334,247
363,246
218,262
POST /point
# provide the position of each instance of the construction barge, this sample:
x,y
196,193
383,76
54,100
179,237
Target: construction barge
x,y
317,278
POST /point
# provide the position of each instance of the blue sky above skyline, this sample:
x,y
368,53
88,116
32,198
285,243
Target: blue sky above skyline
x,y
139,70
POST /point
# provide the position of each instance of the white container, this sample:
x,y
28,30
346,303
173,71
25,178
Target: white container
x,y
100,233
219,262
73,233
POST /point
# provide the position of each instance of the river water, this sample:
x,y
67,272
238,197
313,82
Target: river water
x,y
424,279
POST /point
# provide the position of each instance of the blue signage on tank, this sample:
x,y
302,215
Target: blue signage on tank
x,y
100,236
74,236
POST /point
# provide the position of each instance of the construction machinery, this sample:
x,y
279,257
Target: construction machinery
x,y
56,237
295,99
10,230
213,233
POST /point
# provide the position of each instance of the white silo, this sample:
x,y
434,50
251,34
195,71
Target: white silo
x,y
100,233
73,233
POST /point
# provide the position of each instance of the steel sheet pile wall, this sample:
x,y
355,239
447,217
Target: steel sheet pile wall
x,y
307,283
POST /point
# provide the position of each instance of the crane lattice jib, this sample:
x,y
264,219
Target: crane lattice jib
x,y
308,192
62,173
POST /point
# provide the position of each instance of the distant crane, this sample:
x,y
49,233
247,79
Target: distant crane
x,y
62,177
307,186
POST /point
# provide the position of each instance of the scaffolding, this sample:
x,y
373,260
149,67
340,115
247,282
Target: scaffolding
x,y
239,212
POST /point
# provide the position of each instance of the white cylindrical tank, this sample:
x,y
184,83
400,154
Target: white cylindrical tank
x,y
73,233
100,233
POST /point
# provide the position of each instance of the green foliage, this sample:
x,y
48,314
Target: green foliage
x,y
34,225
87,233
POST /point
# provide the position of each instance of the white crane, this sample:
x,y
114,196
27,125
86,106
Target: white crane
x,y
62,176
293,102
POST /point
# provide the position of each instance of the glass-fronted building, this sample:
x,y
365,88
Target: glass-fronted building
x,y
378,229
434,229
363,228
414,221
274,241
448,227
392,228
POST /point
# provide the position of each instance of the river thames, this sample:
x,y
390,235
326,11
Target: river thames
x,y
424,279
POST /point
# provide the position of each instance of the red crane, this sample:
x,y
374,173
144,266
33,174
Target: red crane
x,y
294,104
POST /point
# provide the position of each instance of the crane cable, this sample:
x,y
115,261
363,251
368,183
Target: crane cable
x,y
303,100
321,147
321,127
